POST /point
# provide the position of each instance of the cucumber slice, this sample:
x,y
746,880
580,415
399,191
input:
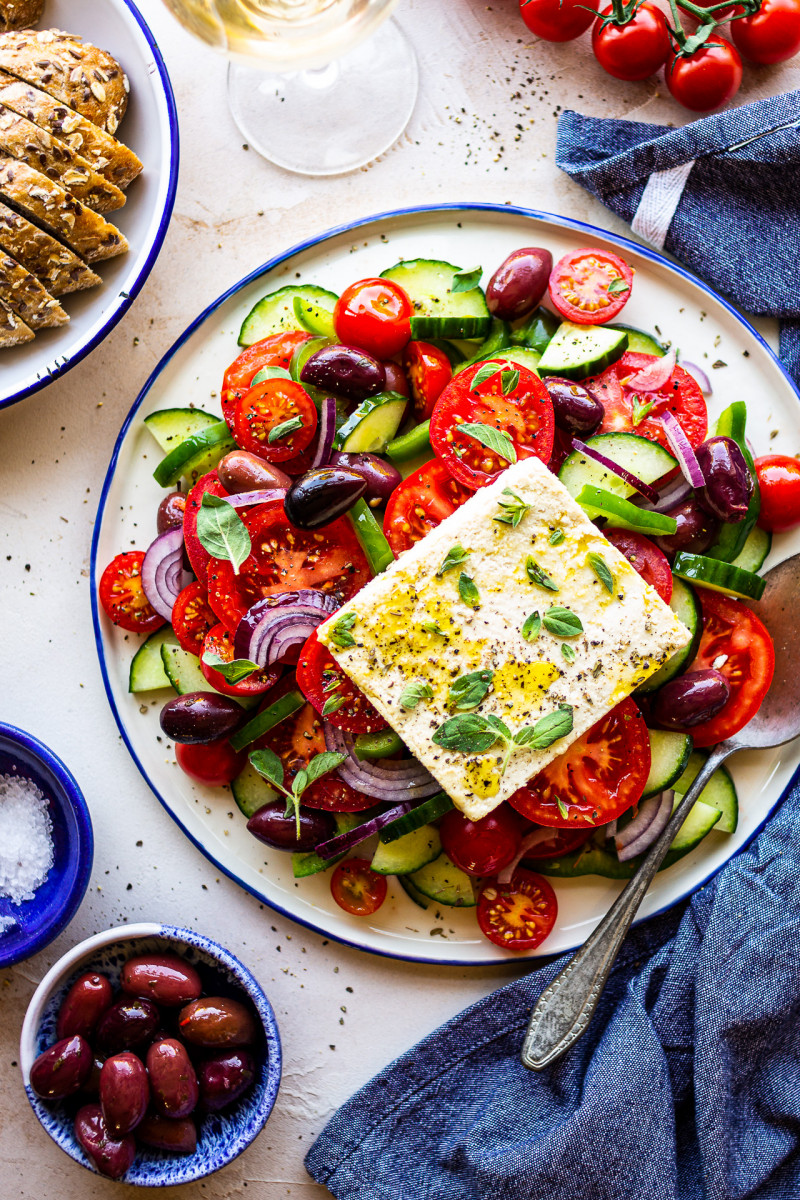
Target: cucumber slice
x,y
700,821
719,792
410,445
409,853
313,316
373,424
621,514
183,671
499,335
251,791
444,882
371,746
423,814
438,311
310,863
577,351
640,342
686,606
147,668
169,426
412,892
536,331
669,755
371,536
755,550
515,356
274,313
195,456
645,459
268,719
719,576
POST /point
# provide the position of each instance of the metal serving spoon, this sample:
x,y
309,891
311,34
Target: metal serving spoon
x,y
565,1008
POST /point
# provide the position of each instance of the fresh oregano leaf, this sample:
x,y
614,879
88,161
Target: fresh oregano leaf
x,y
413,692
537,575
221,531
455,556
468,591
548,729
499,725
556,537
568,652
433,627
618,286
513,506
482,374
233,670
640,410
469,690
267,763
531,627
340,633
598,564
465,281
509,380
468,733
494,439
321,764
284,429
562,622
269,373
333,704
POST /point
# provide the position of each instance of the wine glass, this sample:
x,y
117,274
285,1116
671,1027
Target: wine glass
x,y
319,87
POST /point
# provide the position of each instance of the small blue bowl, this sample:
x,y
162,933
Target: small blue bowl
x,y
54,905
222,1136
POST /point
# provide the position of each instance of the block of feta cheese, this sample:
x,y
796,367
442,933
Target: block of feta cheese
x,y
526,612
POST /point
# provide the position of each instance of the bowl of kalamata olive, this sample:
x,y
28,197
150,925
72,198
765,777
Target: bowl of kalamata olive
x,y
151,1055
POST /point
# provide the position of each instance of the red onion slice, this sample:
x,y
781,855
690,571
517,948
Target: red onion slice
x,y
646,826
644,489
682,449
534,838
275,624
163,575
387,779
354,837
325,432
674,493
700,377
653,376
245,499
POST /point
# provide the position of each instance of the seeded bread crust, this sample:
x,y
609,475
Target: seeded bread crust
x,y
71,70
26,297
13,330
21,139
19,14
55,266
43,200
110,158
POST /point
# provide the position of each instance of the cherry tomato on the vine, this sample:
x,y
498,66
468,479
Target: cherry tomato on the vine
x,y
779,481
375,315
771,34
636,49
558,20
707,78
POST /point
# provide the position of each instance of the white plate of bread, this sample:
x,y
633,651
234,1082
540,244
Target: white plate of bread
x,y
88,170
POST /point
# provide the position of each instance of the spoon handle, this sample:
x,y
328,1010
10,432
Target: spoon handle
x,y
565,1008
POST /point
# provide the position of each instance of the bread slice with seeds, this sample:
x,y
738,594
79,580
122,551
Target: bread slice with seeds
x,y
21,139
19,14
13,330
26,297
110,158
54,265
42,200
73,71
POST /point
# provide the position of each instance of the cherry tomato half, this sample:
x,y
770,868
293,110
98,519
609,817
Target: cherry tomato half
x,y
420,503
557,20
357,889
517,915
600,776
590,287
779,481
735,642
771,34
219,641
261,412
707,78
325,685
375,315
122,595
524,413
192,617
428,370
213,763
275,351
680,395
634,50
647,559
481,847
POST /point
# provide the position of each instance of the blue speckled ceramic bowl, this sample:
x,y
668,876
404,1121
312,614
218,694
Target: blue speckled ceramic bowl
x,y
54,905
221,1136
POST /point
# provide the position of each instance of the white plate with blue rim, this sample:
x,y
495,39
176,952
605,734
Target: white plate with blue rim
x,y
708,331
150,128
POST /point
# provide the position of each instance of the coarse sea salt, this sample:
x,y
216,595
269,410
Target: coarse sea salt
x,y
26,842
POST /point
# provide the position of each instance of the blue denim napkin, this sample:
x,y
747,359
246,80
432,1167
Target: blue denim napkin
x,y
687,1084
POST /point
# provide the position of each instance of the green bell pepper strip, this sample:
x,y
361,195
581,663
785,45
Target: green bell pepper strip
x,y
621,514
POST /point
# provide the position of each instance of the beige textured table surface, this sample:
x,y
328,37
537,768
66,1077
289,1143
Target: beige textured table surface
x,y
483,129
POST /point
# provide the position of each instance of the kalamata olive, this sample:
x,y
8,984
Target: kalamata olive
x,y
124,1093
729,484
170,512
322,495
225,1077
691,699
163,1133
519,283
84,1005
395,378
575,409
63,1069
241,471
345,371
695,532
217,1023
269,825
112,1156
164,978
172,1078
127,1024
200,717
382,477
91,1088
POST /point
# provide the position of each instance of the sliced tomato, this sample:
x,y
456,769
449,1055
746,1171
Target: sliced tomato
x,y
213,763
524,414
680,395
275,351
420,503
590,286
122,595
560,841
192,617
325,685
334,795
261,413
735,642
517,915
601,775
429,371
356,888
651,563
284,559
219,641
198,556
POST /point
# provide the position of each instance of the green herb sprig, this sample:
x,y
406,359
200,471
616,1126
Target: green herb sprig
x,y
267,763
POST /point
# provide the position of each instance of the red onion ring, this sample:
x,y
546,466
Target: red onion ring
x,y
388,779
653,376
699,376
644,489
276,623
325,432
534,838
682,449
646,826
163,575
674,493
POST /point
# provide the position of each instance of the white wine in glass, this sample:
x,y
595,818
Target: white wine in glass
x,y
316,86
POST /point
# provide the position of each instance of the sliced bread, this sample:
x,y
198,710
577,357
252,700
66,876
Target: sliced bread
x,y
13,330
54,265
19,14
26,297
